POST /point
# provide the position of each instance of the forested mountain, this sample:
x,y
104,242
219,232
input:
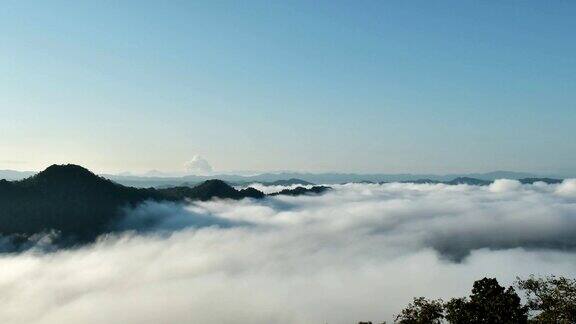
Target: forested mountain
x,y
66,198
288,182
82,205
76,202
210,189
468,181
298,191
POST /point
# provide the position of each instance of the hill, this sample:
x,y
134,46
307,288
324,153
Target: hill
x,y
80,204
68,198
298,191
289,182
300,178
469,181
210,189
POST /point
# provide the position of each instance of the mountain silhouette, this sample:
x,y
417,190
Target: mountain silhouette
x,y
468,181
545,180
66,198
79,204
288,182
298,191
210,189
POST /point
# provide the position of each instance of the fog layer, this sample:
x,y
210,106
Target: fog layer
x,y
358,252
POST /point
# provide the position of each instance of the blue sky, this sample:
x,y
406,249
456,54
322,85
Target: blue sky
x,y
355,86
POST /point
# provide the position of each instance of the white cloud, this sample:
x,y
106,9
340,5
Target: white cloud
x,y
567,188
503,185
359,252
198,166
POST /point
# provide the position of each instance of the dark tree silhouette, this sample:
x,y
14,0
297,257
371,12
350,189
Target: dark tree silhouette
x,y
298,191
489,303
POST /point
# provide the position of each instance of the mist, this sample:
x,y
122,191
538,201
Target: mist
x,y
357,252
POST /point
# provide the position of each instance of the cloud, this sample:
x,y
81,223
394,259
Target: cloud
x,y
358,252
152,216
567,188
198,165
504,185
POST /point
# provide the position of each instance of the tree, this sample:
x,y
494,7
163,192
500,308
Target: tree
x,y
489,303
422,311
457,311
552,299
493,303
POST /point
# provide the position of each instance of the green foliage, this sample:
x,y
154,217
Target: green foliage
x,y
457,311
422,311
69,199
489,303
552,299
298,191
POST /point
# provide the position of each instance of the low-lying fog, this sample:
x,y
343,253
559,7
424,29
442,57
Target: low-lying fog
x,y
358,252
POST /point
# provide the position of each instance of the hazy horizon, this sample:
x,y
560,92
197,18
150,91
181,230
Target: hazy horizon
x,y
153,173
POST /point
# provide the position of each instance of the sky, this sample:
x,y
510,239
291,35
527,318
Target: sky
x,y
346,86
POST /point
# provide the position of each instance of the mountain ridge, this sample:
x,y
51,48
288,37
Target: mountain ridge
x,y
80,204
298,178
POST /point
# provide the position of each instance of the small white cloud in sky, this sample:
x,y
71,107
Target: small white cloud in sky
x,y
198,166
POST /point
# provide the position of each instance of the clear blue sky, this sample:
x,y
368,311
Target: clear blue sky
x,y
362,86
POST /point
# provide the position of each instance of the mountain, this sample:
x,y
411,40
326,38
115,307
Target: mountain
x,y
14,175
545,180
423,181
480,182
210,189
288,182
494,175
67,198
81,205
78,203
302,178
468,181
298,191
164,180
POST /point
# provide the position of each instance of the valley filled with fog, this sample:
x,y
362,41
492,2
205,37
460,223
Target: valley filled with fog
x,y
357,252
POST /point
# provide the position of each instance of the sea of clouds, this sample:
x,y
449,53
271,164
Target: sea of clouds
x,y
358,252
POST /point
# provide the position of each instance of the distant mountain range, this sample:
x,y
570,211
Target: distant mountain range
x,y
298,191
291,178
15,175
296,178
288,182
